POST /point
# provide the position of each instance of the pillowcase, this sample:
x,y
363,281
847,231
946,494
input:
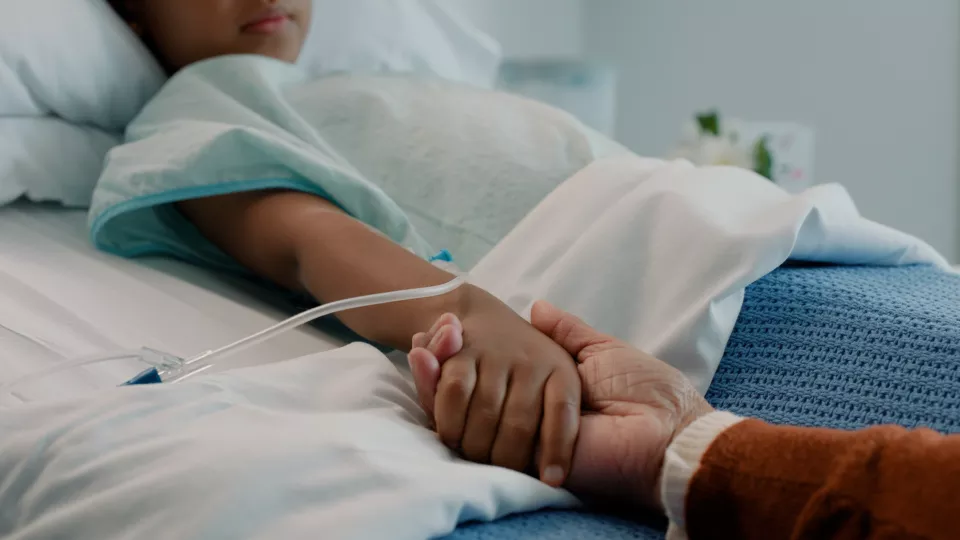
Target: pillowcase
x,y
74,59
51,160
407,36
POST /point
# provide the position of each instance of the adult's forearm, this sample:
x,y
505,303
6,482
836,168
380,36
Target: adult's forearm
x,y
763,481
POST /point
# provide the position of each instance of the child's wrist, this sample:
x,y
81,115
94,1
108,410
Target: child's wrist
x,y
425,313
406,319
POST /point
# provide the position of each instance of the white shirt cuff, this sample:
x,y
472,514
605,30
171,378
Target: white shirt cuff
x,y
681,463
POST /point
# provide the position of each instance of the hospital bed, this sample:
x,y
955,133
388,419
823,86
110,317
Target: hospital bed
x,y
815,345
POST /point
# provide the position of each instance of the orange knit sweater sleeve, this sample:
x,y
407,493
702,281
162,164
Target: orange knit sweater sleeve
x,y
758,481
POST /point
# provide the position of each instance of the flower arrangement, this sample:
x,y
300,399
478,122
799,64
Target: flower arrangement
x,y
710,142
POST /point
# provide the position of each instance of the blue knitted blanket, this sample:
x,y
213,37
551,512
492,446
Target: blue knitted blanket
x,y
842,347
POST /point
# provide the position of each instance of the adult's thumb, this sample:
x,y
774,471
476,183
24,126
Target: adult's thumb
x,y
568,331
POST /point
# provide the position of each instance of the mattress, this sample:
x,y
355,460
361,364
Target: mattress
x,y
61,299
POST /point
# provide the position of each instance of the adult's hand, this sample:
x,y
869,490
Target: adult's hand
x,y
634,404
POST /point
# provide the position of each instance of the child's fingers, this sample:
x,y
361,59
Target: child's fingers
x,y
444,320
483,416
519,422
443,344
423,339
447,342
457,382
426,374
430,351
561,422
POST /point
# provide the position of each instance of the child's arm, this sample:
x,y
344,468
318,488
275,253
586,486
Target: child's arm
x,y
303,242
509,387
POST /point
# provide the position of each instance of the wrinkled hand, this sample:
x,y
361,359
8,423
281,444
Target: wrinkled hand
x,y
503,389
635,405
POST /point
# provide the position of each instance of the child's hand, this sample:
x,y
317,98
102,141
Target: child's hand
x,y
489,380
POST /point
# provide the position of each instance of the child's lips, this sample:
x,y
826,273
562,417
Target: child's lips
x,y
267,24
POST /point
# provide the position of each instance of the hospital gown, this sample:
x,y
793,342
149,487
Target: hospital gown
x,y
433,165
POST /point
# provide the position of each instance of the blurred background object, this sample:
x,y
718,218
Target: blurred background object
x,y
791,149
877,81
586,90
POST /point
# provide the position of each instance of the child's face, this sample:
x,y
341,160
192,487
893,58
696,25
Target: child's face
x,y
186,31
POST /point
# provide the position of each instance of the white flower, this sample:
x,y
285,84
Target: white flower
x,y
723,151
710,150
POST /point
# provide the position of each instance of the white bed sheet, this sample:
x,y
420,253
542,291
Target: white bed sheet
x,y
60,299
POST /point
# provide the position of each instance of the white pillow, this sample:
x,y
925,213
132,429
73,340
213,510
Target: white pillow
x,y
77,60
51,160
408,36
74,59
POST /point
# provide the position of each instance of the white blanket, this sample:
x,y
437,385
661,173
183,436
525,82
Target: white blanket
x,y
327,446
333,445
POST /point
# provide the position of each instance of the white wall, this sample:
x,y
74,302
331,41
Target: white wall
x,y
528,28
878,79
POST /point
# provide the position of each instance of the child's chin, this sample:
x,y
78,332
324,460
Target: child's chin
x,y
284,47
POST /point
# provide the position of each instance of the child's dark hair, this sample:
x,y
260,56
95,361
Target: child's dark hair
x,y
120,6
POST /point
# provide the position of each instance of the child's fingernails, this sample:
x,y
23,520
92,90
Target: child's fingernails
x,y
553,475
435,342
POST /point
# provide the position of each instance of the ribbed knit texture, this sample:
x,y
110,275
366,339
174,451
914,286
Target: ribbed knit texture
x,y
842,347
684,457
846,348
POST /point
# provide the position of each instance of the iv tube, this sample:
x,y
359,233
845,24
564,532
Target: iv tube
x,y
323,311
178,370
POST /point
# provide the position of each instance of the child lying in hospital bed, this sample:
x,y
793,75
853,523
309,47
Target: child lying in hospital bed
x,y
350,185
356,241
